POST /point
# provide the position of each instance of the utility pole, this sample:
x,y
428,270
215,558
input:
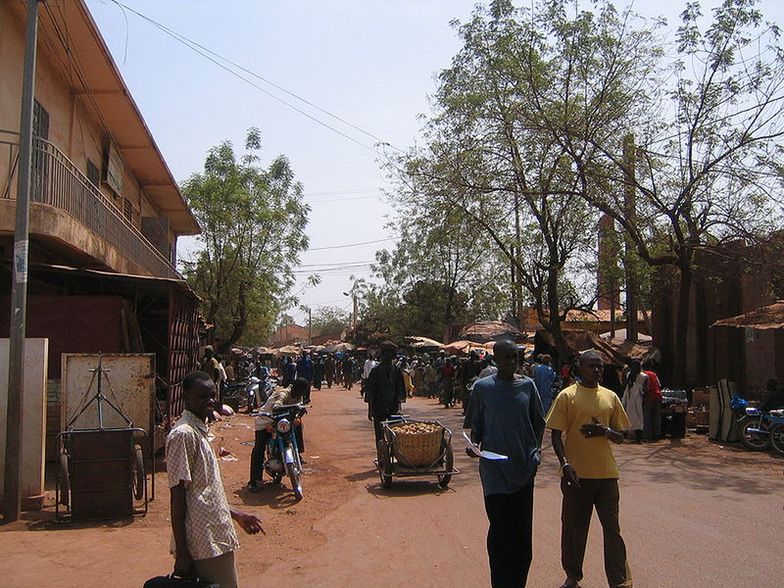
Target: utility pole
x,y
310,326
355,311
12,500
630,212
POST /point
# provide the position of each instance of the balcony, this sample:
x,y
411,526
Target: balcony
x,y
56,182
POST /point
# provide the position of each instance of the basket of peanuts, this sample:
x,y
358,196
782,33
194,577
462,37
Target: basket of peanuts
x,y
417,443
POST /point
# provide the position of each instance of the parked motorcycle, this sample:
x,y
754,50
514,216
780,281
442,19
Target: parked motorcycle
x,y
756,429
282,455
257,390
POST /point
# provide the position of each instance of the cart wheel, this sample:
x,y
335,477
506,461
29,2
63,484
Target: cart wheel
x,y
64,479
139,479
449,464
384,464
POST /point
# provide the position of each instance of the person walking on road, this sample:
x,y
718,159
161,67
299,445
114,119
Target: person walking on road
x,y
505,416
305,370
633,394
590,417
544,378
329,370
384,390
652,407
204,537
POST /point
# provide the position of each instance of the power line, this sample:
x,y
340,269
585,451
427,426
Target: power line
x,y
343,199
354,244
212,56
346,264
338,192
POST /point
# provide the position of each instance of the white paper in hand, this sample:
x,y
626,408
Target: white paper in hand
x,y
475,451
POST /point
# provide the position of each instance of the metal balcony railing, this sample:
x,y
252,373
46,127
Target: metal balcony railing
x,y
56,181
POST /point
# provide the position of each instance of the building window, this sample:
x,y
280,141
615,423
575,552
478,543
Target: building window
x,y
40,121
128,210
93,174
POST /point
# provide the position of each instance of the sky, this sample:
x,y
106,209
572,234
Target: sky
x,y
372,63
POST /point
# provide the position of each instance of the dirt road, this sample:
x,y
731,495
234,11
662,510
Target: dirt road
x,y
693,514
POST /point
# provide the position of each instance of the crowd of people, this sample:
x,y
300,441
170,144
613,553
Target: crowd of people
x,y
508,400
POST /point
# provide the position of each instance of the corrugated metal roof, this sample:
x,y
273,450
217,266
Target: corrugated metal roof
x,y
762,318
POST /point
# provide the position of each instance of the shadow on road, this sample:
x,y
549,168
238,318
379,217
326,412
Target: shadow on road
x,y
277,496
362,476
681,465
406,488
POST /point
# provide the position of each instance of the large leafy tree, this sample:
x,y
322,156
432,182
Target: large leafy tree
x,y
440,254
253,221
706,168
488,157
330,320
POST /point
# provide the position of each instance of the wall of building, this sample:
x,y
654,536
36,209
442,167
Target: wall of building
x,y
74,122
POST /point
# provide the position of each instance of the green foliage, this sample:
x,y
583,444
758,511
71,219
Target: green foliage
x,y
329,319
253,223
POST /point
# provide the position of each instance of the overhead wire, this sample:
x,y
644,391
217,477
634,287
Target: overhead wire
x,y
216,59
353,244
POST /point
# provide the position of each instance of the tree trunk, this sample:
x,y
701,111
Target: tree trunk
x,y
238,326
554,326
680,347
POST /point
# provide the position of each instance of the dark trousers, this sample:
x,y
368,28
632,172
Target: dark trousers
x,y
260,448
651,412
578,505
511,519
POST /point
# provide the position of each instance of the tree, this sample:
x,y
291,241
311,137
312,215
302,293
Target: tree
x,y
707,166
441,254
492,162
253,221
329,319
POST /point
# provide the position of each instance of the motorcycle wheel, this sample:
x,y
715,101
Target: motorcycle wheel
x,y
295,475
752,441
777,438
384,464
449,464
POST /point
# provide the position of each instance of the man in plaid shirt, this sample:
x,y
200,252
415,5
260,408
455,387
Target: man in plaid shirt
x,y
204,537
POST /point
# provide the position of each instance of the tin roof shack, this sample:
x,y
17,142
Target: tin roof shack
x,y
87,311
749,348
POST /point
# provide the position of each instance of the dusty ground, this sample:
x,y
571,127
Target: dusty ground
x,y
693,514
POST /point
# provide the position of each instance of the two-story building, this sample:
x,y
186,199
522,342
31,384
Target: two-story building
x,y
106,211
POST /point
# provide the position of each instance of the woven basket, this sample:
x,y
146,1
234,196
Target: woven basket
x,y
417,449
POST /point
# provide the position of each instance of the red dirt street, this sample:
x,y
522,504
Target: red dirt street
x,y
693,514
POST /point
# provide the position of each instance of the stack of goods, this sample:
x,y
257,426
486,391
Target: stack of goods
x,y
699,411
417,443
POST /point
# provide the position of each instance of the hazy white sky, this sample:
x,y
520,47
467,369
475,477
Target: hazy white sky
x,y
370,62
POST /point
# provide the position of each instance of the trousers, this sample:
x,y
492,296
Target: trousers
x,y
578,505
509,537
218,570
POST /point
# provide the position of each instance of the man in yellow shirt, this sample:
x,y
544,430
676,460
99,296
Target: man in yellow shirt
x,y
589,416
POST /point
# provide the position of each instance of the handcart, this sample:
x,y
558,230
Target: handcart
x,y
101,471
414,447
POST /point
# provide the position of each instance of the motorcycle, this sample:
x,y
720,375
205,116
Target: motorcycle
x,y
757,429
282,455
257,391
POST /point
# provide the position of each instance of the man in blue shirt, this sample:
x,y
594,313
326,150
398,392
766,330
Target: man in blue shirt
x,y
544,377
505,416
305,370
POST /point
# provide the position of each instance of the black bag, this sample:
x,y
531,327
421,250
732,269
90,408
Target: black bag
x,y
172,581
